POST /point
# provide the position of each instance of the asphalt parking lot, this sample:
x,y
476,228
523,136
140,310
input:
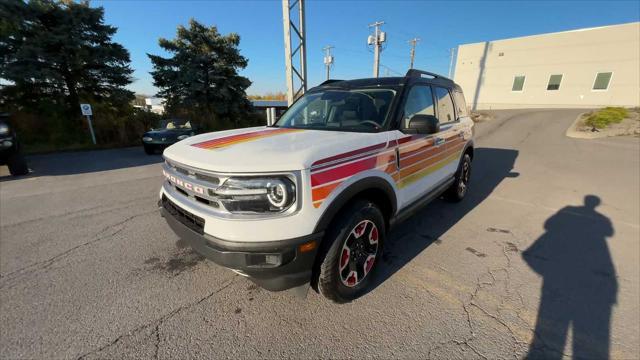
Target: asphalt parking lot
x,y
542,257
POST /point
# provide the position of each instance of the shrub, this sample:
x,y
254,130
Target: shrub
x,y
607,116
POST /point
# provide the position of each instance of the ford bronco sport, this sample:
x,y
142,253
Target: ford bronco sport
x,y
310,199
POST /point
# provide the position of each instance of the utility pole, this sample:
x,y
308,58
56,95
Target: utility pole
x,y
413,43
376,40
289,52
451,61
328,59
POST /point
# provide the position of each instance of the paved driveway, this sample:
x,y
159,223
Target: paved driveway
x,y
542,256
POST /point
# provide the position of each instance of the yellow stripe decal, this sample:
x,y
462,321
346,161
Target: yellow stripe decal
x,y
422,173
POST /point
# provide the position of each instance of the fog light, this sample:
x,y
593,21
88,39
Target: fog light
x,y
264,260
7,143
274,260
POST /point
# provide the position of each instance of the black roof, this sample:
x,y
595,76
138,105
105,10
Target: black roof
x,y
412,75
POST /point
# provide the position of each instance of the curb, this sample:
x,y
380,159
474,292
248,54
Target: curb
x,y
573,133
604,133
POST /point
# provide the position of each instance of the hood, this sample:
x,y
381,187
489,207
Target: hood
x,y
265,149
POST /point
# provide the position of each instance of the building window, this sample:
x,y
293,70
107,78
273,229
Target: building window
x,y
554,82
602,81
518,83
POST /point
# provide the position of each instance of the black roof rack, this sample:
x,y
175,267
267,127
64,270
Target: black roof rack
x,y
419,73
329,81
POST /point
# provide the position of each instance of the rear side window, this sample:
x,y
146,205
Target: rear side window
x,y
461,104
419,101
446,113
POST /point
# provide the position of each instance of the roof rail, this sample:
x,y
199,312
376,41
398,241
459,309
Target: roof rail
x,y
330,81
419,73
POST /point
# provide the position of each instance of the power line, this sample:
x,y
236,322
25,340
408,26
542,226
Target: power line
x,y
391,70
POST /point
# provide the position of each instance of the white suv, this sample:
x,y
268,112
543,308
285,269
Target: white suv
x,y
310,199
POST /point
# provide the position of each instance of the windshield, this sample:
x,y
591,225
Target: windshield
x,y
174,124
363,110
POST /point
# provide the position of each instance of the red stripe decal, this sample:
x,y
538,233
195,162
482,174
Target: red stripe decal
x,y
343,171
349,154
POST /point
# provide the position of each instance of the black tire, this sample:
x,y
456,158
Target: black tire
x,y
17,164
331,282
460,185
149,150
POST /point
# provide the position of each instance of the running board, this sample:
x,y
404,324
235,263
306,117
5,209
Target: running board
x,y
417,205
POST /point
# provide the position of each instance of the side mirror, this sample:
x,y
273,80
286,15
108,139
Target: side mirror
x,y
424,124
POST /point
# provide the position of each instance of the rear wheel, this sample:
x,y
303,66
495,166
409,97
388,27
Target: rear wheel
x,y
17,164
150,150
353,248
460,185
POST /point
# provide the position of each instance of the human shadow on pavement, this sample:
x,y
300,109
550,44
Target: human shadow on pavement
x,y
81,162
579,286
408,239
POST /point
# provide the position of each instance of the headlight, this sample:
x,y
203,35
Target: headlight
x,y
147,139
182,137
4,129
257,195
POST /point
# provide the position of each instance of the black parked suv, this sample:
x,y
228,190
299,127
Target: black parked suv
x,y
10,149
168,133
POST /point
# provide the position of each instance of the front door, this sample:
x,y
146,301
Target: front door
x,y
425,161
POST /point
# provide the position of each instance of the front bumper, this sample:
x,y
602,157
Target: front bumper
x,y
253,259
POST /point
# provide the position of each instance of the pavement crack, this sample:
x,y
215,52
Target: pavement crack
x,y
157,345
44,264
157,323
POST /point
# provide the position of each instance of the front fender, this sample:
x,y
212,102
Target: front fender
x,y
367,180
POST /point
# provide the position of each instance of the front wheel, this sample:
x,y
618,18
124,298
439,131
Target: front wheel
x,y
352,251
460,185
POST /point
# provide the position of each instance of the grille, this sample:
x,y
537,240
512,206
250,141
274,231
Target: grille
x,y
191,221
213,180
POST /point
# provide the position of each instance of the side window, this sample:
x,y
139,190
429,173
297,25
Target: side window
x,y
419,101
446,113
461,105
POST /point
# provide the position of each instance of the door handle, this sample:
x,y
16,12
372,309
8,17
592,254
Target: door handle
x,y
438,141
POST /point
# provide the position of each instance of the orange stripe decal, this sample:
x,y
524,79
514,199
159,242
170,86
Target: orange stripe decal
x,y
241,138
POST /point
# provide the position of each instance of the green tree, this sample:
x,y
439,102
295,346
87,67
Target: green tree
x,y
59,53
201,77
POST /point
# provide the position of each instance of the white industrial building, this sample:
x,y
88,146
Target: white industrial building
x,y
582,68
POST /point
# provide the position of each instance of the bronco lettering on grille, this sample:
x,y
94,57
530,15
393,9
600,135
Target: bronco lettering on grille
x,y
184,184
